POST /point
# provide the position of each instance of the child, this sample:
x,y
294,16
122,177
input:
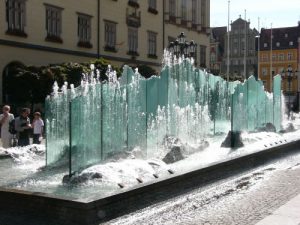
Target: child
x,y
38,127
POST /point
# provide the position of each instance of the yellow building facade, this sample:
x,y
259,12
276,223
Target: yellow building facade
x,y
279,55
281,60
42,32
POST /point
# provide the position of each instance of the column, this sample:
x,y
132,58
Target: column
x,y
178,12
167,9
207,16
199,27
189,13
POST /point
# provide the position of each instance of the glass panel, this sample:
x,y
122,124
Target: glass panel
x,y
277,102
252,107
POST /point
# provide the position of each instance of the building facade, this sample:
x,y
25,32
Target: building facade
x,y
242,41
42,32
279,54
193,18
217,49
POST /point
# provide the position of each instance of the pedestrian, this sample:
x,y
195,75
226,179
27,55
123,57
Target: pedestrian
x,y
38,127
23,126
5,118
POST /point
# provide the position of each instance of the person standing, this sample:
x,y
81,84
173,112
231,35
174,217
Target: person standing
x,y
23,126
5,119
38,127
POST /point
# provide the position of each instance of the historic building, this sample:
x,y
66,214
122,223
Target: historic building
x,y
242,40
193,18
282,57
279,54
41,32
217,49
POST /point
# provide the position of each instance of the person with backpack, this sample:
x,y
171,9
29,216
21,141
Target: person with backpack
x,y
23,126
5,119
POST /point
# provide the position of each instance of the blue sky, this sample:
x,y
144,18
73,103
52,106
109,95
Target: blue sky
x,y
278,12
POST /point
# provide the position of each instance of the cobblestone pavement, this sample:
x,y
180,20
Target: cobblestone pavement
x,y
245,199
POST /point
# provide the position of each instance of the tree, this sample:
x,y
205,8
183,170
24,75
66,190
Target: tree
x,y
146,71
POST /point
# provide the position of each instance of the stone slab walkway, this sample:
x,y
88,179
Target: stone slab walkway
x,y
288,214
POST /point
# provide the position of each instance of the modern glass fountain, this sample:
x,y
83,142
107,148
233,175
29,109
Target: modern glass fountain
x,y
95,121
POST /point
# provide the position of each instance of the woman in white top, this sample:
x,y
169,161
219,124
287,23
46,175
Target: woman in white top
x,y
38,126
5,119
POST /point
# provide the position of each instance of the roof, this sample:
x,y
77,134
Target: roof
x,y
283,38
239,21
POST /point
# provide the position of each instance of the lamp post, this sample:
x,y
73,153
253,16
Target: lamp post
x,y
182,47
258,58
289,79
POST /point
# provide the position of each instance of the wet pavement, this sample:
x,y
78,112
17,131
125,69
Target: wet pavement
x,y
244,199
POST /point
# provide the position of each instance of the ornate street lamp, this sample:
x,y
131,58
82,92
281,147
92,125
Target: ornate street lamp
x,y
182,47
177,48
181,38
289,77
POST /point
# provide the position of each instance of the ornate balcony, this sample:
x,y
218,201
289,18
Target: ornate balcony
x,y
133,18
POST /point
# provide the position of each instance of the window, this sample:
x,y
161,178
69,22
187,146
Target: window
x,y
286,35
53,23
289,56
274,57
84,30
213,57
264,71
132,41
15,17
172,5
203,56
184,9
264,58
194,11
152,4
152,44
277,44
171,39
110,36
265,45
281,57
291,43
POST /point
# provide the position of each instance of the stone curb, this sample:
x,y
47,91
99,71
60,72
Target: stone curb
x,y
71,211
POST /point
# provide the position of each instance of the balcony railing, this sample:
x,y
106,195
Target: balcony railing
x,y
133,19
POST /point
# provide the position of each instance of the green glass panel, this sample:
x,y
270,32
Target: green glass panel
x,y
57,122
86,128
137,119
